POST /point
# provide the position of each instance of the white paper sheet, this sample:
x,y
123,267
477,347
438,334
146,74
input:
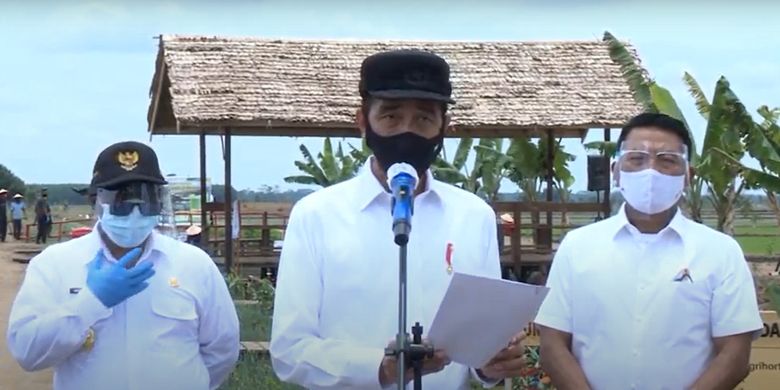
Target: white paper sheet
x,y
479,316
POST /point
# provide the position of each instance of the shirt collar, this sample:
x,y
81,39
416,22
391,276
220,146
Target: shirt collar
x,y
620,223
369,187
154,244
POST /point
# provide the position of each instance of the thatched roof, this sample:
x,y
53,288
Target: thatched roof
x,y
309,88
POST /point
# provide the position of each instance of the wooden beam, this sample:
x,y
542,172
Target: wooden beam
x,y
157,93
525,207
348,130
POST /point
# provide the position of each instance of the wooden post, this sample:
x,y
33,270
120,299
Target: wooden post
x,y
204,225
516,241
550,156
607,205
228,206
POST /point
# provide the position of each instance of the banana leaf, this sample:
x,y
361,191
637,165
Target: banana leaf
x,y
665,103
328,161
702,104
632,72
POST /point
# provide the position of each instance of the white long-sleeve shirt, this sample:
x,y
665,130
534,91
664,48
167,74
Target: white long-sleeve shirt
x,y
337,289
181,332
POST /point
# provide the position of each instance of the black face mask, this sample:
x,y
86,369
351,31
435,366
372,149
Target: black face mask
x,y
406,147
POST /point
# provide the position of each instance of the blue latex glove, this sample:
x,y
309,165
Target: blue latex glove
x,y
113,283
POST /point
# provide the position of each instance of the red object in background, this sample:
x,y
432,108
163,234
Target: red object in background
x,y
80,231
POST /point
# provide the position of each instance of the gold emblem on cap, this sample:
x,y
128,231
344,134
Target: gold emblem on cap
x,y
128,160
173,282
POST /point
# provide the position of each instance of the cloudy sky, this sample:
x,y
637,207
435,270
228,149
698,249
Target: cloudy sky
x,y
75,75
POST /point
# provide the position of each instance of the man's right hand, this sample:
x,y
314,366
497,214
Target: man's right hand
x,y
113,283
388,369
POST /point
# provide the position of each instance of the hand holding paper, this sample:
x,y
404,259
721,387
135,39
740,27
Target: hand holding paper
x,y
478,316
508,363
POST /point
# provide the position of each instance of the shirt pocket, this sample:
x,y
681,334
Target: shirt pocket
x,y
691,295
176,315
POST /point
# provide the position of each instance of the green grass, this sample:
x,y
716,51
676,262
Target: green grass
x,y
255,322
758,245
255,373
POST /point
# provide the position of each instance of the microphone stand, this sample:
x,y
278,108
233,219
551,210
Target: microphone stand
x,y
408,353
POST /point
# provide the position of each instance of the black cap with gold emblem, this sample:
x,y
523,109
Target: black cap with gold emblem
x,y
126,162
406,74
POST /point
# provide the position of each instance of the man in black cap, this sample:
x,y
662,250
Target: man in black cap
x,y
125,306
336,298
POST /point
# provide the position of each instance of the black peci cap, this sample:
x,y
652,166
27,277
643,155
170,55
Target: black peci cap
x,y
406,74
126,162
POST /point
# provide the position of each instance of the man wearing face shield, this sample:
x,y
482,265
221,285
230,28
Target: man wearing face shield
x,y
649,299
125,307
336,299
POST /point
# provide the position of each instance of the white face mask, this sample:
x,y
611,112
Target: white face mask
x,y
651,192
129,231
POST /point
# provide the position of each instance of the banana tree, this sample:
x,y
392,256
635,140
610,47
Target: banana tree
x,y
727,120
494,166
762,141
563,178
456,172
332,167
528,165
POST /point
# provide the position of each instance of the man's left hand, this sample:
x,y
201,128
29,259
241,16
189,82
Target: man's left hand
x,y
508,363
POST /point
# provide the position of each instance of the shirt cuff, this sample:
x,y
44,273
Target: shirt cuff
x,y
363,366
730,328
483,381
88,307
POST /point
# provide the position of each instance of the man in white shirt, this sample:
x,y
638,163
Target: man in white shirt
x,y
124,307
337,288
648,299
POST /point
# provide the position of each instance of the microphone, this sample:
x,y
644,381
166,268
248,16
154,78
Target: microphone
x,y
402,180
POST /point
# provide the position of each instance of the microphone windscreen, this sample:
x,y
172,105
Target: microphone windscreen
x,y
399,168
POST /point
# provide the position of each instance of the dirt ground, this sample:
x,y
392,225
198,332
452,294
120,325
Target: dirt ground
x,y
12,377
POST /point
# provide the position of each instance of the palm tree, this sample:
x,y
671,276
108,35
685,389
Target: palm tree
x,y
332,167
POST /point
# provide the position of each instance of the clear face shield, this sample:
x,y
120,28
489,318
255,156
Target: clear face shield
x,y
652,176
130,212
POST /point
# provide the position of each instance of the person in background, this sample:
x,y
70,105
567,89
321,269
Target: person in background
x,y
647,298
124,307
195,236
18,214
42,217
3,214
